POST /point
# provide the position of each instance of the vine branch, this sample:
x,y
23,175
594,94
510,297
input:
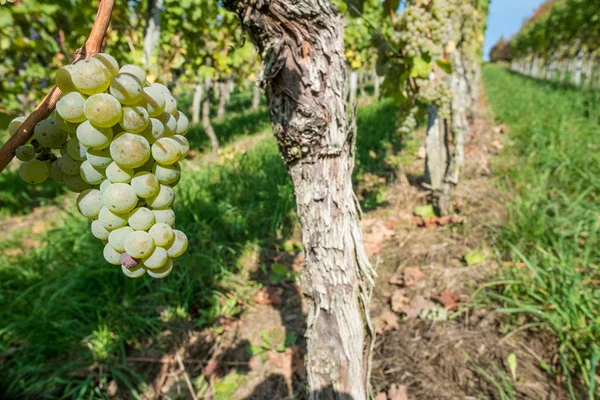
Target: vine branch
x,y
92,46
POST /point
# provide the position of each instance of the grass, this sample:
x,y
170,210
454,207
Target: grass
x,y
69,320
554,216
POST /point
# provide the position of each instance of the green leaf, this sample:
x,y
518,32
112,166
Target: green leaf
x,y
511,360
446,66
6,19
474,257
225,387
255,350
420,68
424,211
279,269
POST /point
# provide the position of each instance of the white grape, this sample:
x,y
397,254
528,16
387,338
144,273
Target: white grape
x,y
64,79
89,203
184,145
75,184
167,174
109,62
126,88
111,255
162,234
26,153
90,76
134,119
170,104
130,150
179,246
183,123
117,238
68,166
141,218
135,71
139,244
145,184
169,123
106,183
99,231
135,272
70,107
111,220
162,272
49,135
91,174
163,199
166,151
102,110
93,137
154,131
69,127
55,171
154,100
34,171
116,174
166,216
99,158
76,150
120,198
157,258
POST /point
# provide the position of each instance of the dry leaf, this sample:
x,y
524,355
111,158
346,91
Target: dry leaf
x,y
268,295
399,300
450,300
398,392
412,275
381,396
386,321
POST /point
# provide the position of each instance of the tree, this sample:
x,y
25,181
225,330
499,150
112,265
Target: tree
x,y
304,78
500,51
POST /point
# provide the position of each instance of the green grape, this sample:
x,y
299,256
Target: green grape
x,y
163,199
141,219
111,220
15,124
69,127
162,234
162,272
70,107
90,76
145,184
166,151
75,184
154,131
68,166
163,89
105,183
169,123
111,255
26,152
64,79
55,172
117,238
167,174
135,71
134,119
139,244
156,259
134,272
76,150
91,174
154,101
102,110
183,123
170,105
109,62
179,245
34,171
184,145
89,203
126,88
99,158
130,150
92,137
116,174
99,231
49,135
166,216
120,198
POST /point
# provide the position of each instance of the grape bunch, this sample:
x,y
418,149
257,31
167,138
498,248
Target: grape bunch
x,y
117,141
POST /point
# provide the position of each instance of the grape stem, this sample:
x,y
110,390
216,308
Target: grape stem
x,y
92,46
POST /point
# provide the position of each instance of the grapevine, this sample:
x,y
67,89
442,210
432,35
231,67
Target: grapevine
x,y
117,141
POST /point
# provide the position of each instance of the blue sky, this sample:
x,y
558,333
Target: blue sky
x,y
505,18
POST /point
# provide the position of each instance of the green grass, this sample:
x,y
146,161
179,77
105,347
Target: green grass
x,y
554,216
69,320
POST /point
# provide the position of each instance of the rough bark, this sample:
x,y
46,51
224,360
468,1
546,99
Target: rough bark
x,y
363,82
376,84
436,159
196,102
223,88
578,68
206,124
255,98
301,45
151,31
353,86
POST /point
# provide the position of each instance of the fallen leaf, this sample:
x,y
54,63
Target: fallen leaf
x,y
449,299
386,321
434,222
268,295
474,257
425,211
399,300
398,392
391,224
381,396
412,275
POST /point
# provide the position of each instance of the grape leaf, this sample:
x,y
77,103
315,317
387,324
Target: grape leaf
x,y
420,68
